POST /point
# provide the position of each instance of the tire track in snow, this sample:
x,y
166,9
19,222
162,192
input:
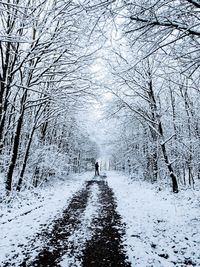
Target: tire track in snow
x,y
54,239
88,234
63,229
78,239
105,249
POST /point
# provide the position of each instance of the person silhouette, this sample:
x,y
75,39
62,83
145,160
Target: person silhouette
x,y
97,169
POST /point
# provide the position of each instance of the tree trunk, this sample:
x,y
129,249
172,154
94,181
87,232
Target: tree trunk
x,y
153,108
14,154
25,160
169,165
155,166
3,117
156,118
184,179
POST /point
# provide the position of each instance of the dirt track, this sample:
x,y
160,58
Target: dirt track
x,y
104,247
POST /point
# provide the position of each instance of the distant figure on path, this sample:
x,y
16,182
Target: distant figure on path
x,y
96,169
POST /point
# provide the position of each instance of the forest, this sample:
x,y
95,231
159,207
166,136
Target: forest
x,y
146,55
44,84
99,133
155,83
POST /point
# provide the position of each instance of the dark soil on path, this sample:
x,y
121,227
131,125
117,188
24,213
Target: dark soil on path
x,y
104,249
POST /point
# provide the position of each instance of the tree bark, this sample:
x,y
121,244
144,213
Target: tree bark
x,y
160,130
169,165
14,154
25,160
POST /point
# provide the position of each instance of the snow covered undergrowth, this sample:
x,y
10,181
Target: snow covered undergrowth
x,y
162,228
30,212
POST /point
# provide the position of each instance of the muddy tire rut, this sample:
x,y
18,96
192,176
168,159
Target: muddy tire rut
x,y
105,249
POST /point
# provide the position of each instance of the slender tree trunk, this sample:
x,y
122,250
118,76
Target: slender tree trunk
x,y
160,129
5,69
155,166
2,89
14,154
16,140
169,165
3,117
25,159
43,131
153,108
36,176
184,179
5,87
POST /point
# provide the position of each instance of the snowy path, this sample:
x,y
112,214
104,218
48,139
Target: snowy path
x,y
30,214
87,233
104,223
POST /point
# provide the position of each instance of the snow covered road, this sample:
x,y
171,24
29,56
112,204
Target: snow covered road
x,y
29,216
90,222
87,232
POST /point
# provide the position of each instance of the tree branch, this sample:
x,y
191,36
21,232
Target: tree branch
x,y
165,24
195,3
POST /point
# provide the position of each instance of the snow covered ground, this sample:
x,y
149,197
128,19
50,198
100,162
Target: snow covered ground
x,y
162,228
31,212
